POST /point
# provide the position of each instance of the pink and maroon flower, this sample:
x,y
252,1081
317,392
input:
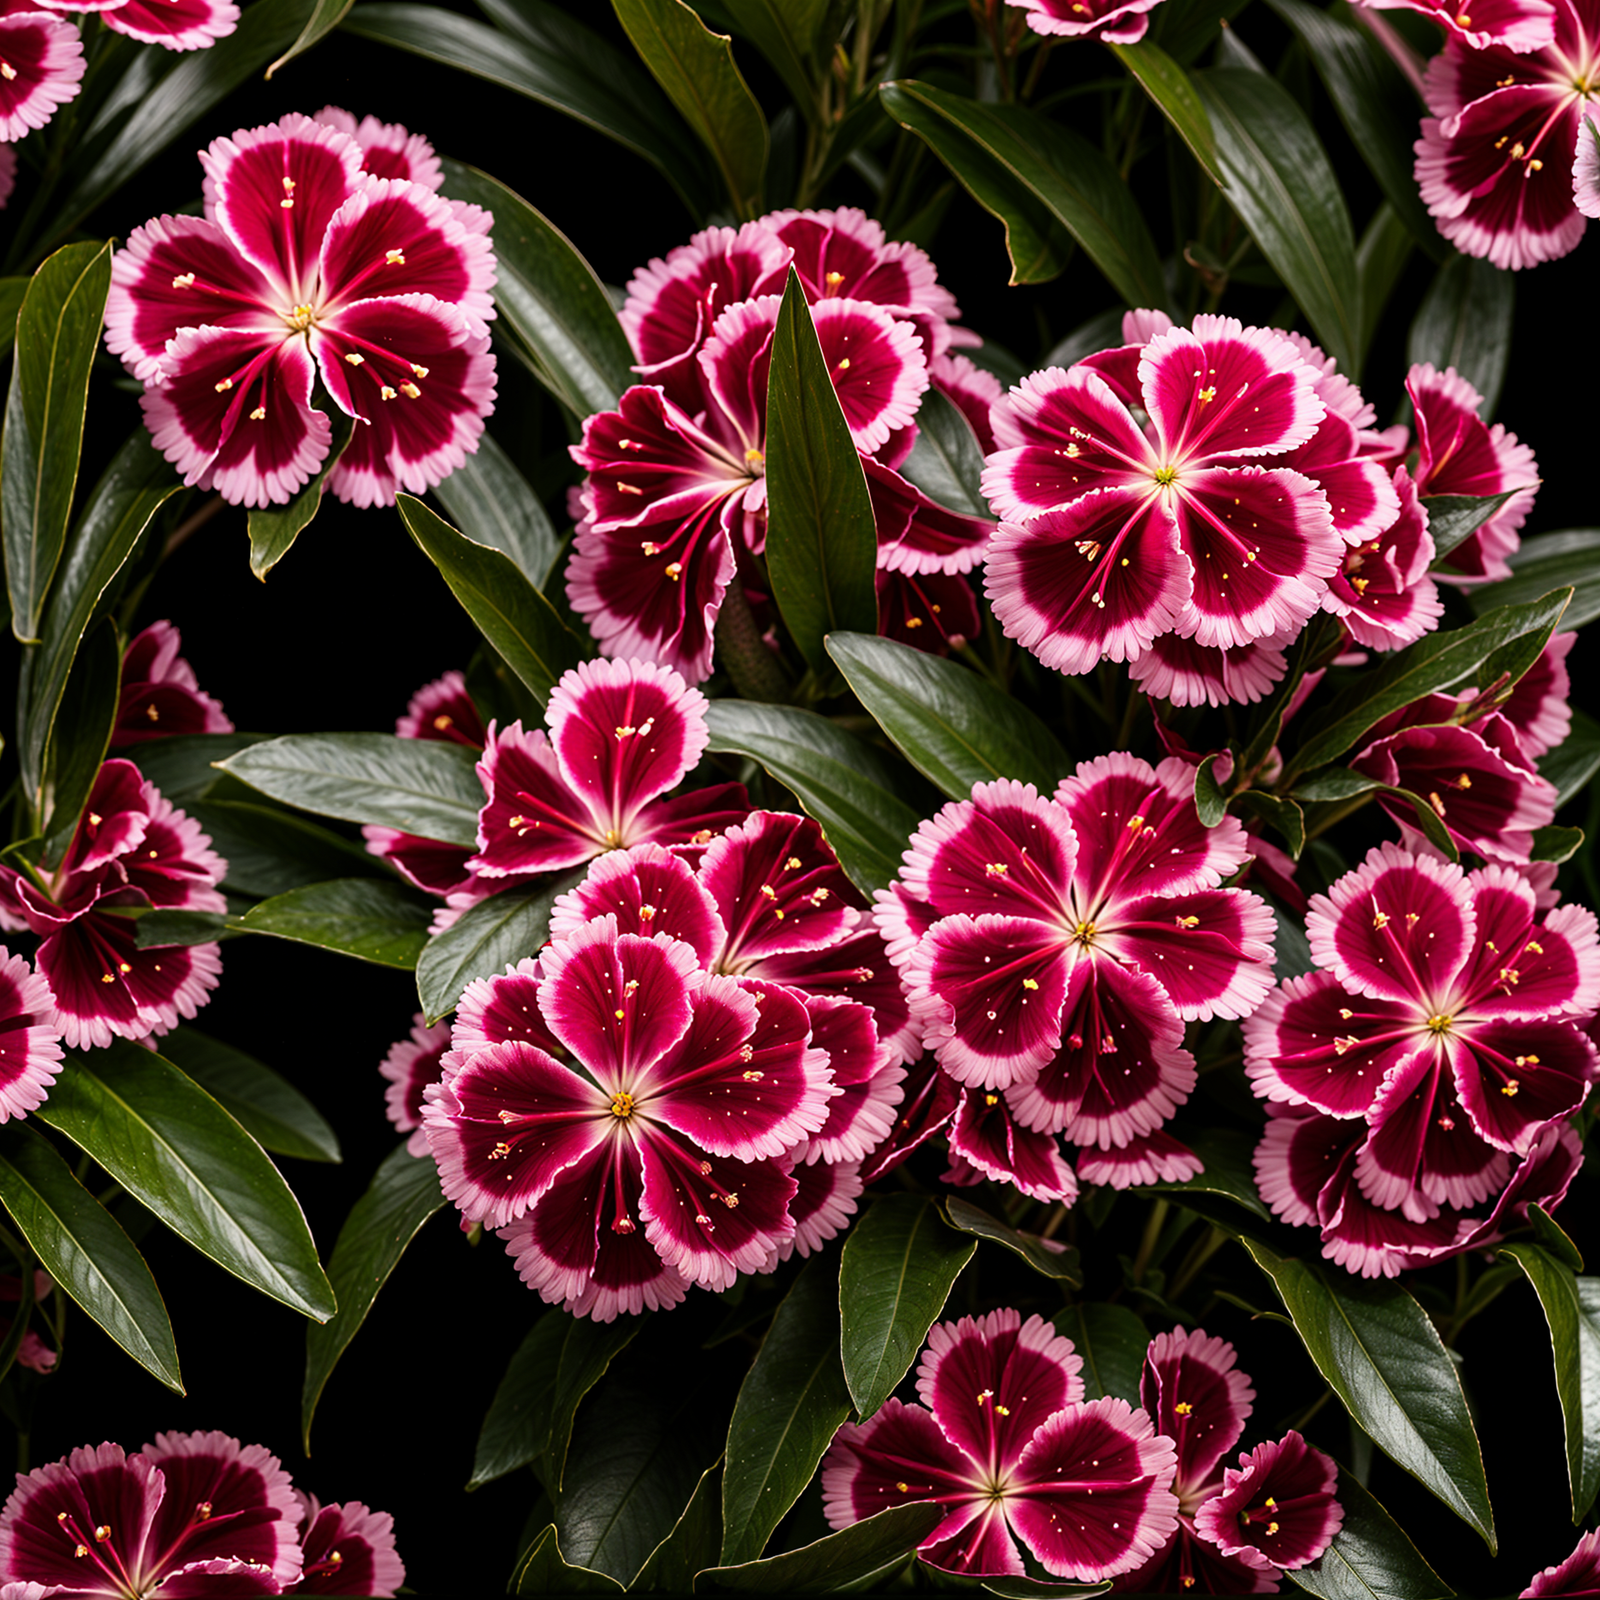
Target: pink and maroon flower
x,y
347,1549
1579,1574
160,696
387,149
410,1066
1586,163
30,1042
1277,1508
1516,25
1005,1443
305,266
1117,22
41,66
1382,592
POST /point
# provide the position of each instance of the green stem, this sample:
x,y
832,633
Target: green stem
x,y
756,672
1152,1235
1200,1252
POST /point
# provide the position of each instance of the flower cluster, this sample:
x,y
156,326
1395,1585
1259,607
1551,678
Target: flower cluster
x,y
191,1513
324,252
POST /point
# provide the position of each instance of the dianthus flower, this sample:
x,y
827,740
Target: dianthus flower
x,y
1495,160
1276,1509
1382,592
306,265
1516,25
1005,1443
347,1549
30,1042
1117,22
160,696
1579,1574
133,850
43,60
174,24
410,1066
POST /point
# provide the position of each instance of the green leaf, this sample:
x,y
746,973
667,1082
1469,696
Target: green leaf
x,y
84,721
1549,1233
696,68
58,332
1381,257
692,1545
1112,1342
1370,1558
491,502
1573,762
326,15
790,1406
484,940
586,1353
516,1427
182,767
1284,190
129,493
1375,103
1454,518
1382,1356
269,851
553,311
403,1194
509,611
845,784
1464,322
1556,844
1335,784
946,462
177,1152
899,1264
1572,1309
1168,85
852,1556
1436,661
1210,804
273,529
372,919
264,1103
949,723
1043,181
785,32
82,1246
422,786
1548,562
11,292
544,1570
822,538
540,52
166,930
1043,1255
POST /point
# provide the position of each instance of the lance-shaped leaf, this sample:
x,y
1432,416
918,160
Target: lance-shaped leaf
x,y
1545,563
1168,85
184,767
1041,180
403,1194
692,1546
422,786
1112,1342
1572,1309
87,714
1382,1356
1370,1557
585,1355
554,313
274,529
326,15
842,782
1553,1238
58,331
177,1152
1043,1255
950,724
1435,662
269,850
822,539
1575,760
516,1427
899,1264
263,1102
544,1570
483,940
790,1406
946,462
372,919
1283,187
491,502
1454,518
11,292
82,1246
1464,322
785,32
845,1560
1333,785
516,619
696,68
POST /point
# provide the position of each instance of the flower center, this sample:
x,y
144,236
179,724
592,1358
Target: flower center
x,y
1083,934
1166,476
300,318
622,1104
1439,1024
756,461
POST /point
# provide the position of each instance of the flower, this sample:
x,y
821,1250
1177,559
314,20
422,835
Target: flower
x,y
160,696
41,66
1382,592
174,24
30,1043
347,1549
1116,23
1586,163
1518,25
304,265
410,1066
1579,1574
1276,1508
1006,1444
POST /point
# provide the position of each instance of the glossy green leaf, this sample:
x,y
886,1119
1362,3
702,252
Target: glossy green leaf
x,y
1370,1557
1572,1310
491,502
946,462
1284,190
82,1246
696,69
1464,322
949,723
516,1428
509,611
1552,1237
544,1570
129,493
166,930
1043,181
1169,87
554,313
263,1102
853,1556
177,1152
1112,1342
1337,784
841,781
692,1545
1454,518
403,1194
11,292
1436,661
1545,562
58,332
1382,254
484,940
785,32
182,767
544,53
372,919
274,529
1210,804
326,15
269,851
1283,816
1574,762
84,721
790,1406
1382,1356
422,786
1375,103
586,1353
822,538
900,1261
1555,844
1045,1256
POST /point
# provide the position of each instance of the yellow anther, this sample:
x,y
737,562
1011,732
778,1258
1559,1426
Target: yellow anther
x,y
184,280
355,358
224,386
258,414
1029,983
674,570
386,393
1183,1408
410,390
394,258
1380,919
622,1104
